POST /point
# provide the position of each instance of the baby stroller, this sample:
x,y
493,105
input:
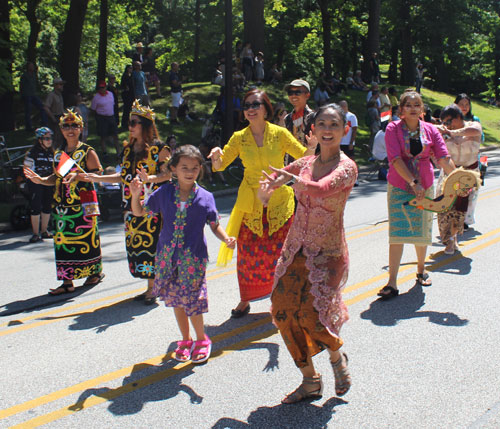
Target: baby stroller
x,y
110,200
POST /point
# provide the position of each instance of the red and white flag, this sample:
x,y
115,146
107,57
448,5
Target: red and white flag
x,y
66,163
385,116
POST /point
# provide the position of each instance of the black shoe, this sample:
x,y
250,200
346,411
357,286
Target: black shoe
x,y
236,314
47,234
35,238
149,300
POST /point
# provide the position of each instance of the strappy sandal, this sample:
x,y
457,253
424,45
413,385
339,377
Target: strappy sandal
x,y
184,350
94,279
203,349
388,292
342,375
301,393
64,288
422,278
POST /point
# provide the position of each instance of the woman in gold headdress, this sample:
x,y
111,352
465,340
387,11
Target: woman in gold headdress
x,y
76,238
143,154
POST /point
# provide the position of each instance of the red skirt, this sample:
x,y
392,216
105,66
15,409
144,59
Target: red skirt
x,y
257,258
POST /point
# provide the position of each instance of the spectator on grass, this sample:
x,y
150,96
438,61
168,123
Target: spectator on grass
x,y
82,109
149,68
128,94
138,55
175,91
106,127
385,102
54,107
374,68
259,68
358,82
246,56
393,96
114,90
321,95
28,87
140,89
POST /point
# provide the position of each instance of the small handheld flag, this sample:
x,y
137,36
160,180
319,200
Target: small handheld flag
x,y
66,163
384,116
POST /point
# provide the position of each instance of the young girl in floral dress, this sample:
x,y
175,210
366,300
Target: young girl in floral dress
x,y
181,255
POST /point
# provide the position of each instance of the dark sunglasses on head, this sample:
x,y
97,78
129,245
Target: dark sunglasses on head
x,y
133,123
68,126
295,92
447,123
254,106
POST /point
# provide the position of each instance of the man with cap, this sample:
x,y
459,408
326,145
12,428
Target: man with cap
x,y
54,107
103,106
298,120
138,55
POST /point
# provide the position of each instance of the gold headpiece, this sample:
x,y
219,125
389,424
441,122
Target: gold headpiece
x,y
145,112
71,117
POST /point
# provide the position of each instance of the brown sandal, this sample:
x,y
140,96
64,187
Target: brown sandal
x,y
342,375
302,393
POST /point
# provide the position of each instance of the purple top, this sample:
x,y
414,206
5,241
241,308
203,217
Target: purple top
x,y
397,142
182,243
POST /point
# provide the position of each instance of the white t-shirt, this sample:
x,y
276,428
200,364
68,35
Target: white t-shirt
x,y
379,151
352,121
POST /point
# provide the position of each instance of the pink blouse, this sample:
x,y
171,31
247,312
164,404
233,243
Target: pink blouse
x,y
318,229
397,145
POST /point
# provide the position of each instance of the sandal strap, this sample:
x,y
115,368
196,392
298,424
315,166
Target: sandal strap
x,y
341,374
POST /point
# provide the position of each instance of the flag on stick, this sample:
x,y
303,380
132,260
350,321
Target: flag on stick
x,y
66,163
384,116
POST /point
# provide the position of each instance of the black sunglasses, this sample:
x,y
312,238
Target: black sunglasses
x,y
133,123
68,126
447,123
47,138
254,106
295,92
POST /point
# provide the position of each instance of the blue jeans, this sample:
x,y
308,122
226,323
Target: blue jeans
x,y
35,101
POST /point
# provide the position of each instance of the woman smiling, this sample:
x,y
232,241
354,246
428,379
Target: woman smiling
x,y
260,231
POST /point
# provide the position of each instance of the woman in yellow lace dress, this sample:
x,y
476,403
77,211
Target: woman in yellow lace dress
x,y
260,231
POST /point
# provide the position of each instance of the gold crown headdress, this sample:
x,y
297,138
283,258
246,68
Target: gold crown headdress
x,y
145,112
71,117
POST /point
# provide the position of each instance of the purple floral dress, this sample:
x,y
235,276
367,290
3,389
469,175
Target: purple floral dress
x,y
182,255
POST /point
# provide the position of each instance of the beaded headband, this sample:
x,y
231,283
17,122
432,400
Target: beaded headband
x,y
71,117
145,112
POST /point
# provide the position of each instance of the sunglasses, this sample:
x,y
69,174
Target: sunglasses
x,y
47,138
133,123
295,92
447,123
68,126
254,106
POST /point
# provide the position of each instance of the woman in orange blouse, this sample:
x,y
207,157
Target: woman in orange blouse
x,y
307,304
260,231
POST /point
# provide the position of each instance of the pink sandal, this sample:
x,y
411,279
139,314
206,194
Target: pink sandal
x,y
184,350
203,349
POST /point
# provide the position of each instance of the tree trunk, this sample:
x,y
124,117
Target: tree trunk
x,y
393,66
372,44
35,26
407,65
103,40
197,31
7,115
496,75
253,20
71,38
327,36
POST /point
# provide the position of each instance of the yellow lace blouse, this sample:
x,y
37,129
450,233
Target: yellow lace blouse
x,y
277,142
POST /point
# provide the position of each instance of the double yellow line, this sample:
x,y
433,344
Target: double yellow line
x,y
168,372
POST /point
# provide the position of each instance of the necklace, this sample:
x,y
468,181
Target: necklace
x,y
333,158
415,133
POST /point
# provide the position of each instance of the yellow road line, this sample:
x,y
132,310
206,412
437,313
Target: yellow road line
x,y
369,281
158,359
99,300
116,374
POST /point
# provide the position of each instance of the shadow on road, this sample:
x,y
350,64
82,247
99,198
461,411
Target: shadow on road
x,y
301,415
405,307
41,301
130,397
104,317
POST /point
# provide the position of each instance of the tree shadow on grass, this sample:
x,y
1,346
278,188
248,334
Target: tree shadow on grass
x,y
301,415
406,306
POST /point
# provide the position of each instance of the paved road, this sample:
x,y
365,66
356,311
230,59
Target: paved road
x,y
428,359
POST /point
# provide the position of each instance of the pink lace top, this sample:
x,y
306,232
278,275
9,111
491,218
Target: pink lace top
x,y
318,229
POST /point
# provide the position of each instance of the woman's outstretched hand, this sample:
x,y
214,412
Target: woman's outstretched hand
x,y
136,186
31,175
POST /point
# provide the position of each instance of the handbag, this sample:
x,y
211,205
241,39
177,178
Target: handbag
x,y
89,203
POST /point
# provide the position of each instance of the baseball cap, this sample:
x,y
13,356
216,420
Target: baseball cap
x,y
101,84
298,82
